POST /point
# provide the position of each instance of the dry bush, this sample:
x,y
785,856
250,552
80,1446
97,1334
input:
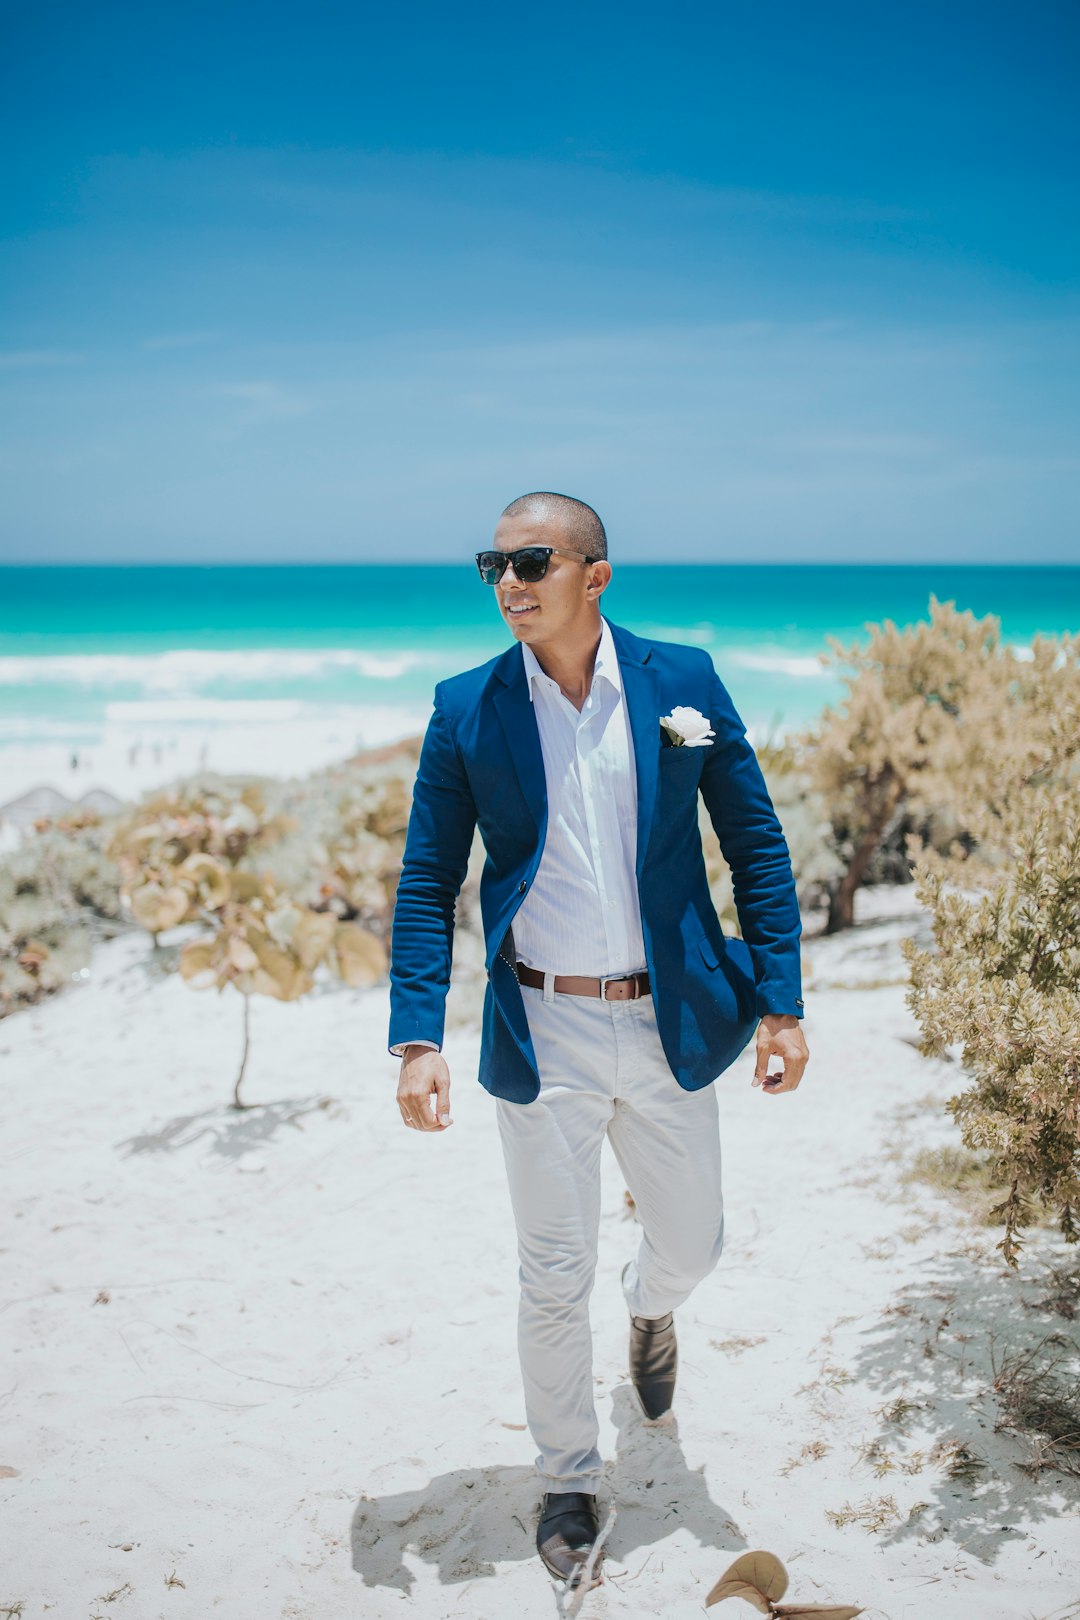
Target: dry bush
x,y
197,854
1003,981
917,733
59,893
815,861
1038,1390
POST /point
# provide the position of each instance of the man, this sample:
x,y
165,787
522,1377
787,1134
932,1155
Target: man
x,y
614,999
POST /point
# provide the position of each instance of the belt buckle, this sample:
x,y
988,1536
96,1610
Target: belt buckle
x,y
630,979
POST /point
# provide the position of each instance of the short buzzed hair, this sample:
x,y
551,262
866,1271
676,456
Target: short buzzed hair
x,y
582,525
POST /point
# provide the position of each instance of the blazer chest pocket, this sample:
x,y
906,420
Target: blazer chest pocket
x,y
680,766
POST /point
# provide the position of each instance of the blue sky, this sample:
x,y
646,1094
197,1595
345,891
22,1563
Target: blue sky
x,y
760,282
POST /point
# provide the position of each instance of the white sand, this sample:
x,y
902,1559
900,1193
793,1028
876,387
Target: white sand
x,y
271,1355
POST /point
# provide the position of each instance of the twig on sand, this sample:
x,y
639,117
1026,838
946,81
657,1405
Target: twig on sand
x,y
572,1594
638,1573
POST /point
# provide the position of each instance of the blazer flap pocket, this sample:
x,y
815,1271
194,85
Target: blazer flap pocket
x,y
708,952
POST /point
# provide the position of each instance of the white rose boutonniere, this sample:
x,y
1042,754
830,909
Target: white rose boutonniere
x,y
687,728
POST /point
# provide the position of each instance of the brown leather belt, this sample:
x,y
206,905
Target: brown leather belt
x,y
626,987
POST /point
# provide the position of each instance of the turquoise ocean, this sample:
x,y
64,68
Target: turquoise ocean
x,y
137,655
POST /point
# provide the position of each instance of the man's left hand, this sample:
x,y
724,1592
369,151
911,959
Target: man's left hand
x,y
780,1035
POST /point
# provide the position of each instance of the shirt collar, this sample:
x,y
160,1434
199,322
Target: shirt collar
x,y
606,666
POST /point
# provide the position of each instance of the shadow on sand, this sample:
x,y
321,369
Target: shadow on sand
x,y
469,1522
937,1347
231,1132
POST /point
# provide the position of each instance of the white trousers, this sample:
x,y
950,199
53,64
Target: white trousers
x,y
602,1071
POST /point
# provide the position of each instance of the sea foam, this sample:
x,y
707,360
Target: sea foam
x,y
188,668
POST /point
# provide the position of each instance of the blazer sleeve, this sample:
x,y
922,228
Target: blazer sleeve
x,y
754,846
437,847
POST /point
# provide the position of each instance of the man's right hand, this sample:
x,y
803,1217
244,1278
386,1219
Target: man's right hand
x,y
423,1091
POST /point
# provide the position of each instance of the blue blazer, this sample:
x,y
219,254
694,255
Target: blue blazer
x,y
482,765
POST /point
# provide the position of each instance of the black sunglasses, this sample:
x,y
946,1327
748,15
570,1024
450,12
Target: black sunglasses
x,y
530,563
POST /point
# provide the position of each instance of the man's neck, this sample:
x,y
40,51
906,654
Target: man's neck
x,y
570,664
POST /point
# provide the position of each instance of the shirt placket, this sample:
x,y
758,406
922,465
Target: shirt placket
x,y
591,771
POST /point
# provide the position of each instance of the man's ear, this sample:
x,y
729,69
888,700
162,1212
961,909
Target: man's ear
x,y
599,578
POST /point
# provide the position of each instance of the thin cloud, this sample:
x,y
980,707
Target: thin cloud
x,y
266,401
337,184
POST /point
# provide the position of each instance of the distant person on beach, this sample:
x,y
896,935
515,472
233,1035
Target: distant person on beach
x,y
613,998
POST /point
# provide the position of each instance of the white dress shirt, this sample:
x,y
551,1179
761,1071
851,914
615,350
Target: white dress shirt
x,y
582,914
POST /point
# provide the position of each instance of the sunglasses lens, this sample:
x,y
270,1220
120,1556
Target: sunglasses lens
x,y
530,564
492,565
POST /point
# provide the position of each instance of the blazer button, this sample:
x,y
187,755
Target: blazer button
x,y
522,886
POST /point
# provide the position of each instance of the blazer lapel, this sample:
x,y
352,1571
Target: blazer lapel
x,y
522,734
641,689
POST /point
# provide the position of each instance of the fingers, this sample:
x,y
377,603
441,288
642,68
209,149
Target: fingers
x,y
423,1093
419,1111
768,1047
790,1048
442,1099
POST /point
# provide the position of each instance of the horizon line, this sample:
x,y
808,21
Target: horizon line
x,y
667,562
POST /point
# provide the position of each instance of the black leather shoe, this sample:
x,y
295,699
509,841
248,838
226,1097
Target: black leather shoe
x,y
654,1360
565,1535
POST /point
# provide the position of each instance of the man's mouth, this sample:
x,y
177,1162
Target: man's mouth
x,y
518,610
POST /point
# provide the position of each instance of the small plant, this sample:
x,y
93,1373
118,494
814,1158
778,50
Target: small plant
x,y
900,1412
736,1345
1039,1392
874,1513
1064,1292
813,1451
188,856
878,1458
958,1461
264,944
832,1377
